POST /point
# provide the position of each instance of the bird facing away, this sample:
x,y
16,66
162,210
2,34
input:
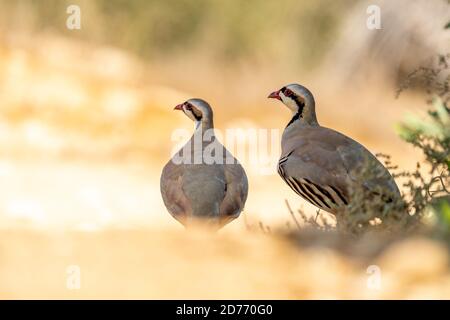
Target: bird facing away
x,y
203,183
324,166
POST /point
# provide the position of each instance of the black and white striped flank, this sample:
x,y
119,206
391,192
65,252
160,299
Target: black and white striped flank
x,y
324,197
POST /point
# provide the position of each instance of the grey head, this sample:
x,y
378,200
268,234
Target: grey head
x,y
197,110
299,100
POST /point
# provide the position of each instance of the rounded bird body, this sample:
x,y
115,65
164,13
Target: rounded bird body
x,y
203,183
323,166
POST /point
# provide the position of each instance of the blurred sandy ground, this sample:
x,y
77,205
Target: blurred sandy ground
x,y
85,130
155,264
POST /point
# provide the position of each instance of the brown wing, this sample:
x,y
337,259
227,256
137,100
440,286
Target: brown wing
x,y
236,192
171,184
326,164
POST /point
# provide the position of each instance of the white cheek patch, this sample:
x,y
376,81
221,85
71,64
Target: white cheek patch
x,y
289,102
189,114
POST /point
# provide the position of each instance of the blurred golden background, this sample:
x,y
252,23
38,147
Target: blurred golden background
x,y
86,121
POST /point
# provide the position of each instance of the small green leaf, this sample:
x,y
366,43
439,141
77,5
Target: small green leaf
x,y
441,209
445,212
442,111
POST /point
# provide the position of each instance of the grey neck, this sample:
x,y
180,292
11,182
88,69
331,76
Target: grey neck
x,y
298,123
303,117
204,124
204,130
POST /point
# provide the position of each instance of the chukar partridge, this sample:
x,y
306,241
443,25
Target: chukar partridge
x,y
203,183
324,166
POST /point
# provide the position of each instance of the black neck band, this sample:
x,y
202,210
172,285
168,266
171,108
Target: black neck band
x,y
198,118
299,112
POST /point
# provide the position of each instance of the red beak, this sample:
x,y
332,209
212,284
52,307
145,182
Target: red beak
x,y
275,95
179,107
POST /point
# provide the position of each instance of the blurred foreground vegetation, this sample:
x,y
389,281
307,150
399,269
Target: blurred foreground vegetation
x,y
432,136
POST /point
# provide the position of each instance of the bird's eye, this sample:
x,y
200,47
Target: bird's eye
x,y
188,107
288,93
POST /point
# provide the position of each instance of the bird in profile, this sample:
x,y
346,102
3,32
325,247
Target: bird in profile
x,y
323,166
203,184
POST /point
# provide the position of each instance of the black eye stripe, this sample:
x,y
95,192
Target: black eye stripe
x,y
287,92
